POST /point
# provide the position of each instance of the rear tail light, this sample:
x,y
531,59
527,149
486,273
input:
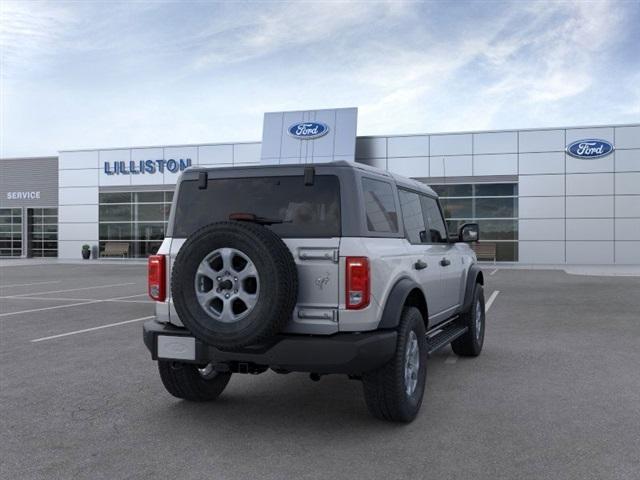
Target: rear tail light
x,y
157,278
358,283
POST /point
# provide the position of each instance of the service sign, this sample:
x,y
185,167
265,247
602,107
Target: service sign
x,y
23,195
308,130
590,149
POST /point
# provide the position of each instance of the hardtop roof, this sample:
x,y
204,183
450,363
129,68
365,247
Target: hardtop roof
x,y
398,179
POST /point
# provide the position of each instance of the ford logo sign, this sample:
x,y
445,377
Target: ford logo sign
x,y
308,130
590,148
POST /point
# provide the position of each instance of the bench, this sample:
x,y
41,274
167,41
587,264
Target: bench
x,y
116,249
485,251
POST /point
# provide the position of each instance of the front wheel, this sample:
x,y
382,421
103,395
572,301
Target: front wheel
x,y
394,392
190,382
470,344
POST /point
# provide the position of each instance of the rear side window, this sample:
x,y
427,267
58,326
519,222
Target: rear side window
x,y
433,219
412,216
295,210
380,206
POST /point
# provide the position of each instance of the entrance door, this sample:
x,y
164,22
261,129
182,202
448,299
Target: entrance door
x,y
10,232
42,228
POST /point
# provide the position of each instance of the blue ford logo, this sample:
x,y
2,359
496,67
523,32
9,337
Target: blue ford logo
x,y
590,148
308,130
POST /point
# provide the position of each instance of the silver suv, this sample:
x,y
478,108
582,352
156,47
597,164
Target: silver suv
x,y
325,268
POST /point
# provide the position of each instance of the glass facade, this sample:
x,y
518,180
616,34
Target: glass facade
x,y
10,232
494,206
138,219
43,232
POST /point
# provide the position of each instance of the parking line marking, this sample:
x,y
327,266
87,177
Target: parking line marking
x,y
493,296
55,299
131,301
67,299
48,308
73,289
130,296
28,284
492,273
85,330
451,359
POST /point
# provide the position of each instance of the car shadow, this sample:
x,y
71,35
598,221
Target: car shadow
x,y
289,404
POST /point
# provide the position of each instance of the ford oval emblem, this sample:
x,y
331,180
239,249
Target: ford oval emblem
x,y
308,130
590,148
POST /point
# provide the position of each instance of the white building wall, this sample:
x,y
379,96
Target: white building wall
x,y
570,210
82,174
78,202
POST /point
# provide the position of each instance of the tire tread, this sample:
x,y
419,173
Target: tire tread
x,y
467,345
384,387
286,285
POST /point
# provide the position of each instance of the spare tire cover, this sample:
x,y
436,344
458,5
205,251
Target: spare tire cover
x,y
234,284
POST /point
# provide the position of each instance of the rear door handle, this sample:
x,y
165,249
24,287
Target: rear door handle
x,y
420,265
445,261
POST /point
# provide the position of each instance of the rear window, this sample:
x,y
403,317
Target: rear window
x,y
380,206
304,210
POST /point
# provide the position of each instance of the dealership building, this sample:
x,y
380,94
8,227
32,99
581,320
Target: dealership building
x,y
541,196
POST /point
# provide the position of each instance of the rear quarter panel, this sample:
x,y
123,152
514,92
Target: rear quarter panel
x,y
389,261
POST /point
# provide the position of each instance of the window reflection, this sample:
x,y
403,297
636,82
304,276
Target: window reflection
x,y
10,232
43,232
494,206
136,218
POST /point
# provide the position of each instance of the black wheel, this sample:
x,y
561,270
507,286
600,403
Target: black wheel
x,y
394,392
190,382
234,284
470,344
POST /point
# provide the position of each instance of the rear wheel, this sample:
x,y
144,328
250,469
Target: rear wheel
x,y
394,392
191,382
470,344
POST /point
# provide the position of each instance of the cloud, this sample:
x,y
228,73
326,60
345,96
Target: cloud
x,y
160,73
28,29
546,53
552,57
275,27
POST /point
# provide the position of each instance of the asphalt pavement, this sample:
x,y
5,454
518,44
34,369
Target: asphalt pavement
x,y
555,394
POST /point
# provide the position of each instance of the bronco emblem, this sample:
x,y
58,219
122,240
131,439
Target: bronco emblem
x,y
322,281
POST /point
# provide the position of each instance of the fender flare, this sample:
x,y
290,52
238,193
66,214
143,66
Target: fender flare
x,y
396,301
474,276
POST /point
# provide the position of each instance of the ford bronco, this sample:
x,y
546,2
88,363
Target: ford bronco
x,y
326,268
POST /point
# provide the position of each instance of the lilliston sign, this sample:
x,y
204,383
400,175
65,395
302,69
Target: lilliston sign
x,y
148,167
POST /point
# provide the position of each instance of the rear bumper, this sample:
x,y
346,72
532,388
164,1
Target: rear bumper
x,y
350,353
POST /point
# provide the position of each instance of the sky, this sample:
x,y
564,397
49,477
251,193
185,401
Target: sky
x,y
94,74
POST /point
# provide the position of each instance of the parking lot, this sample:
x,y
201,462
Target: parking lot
x,y
555,393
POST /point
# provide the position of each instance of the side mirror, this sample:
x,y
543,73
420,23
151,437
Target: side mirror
x,y
434,233
469,232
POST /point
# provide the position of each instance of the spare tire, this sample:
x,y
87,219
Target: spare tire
x,y
234,284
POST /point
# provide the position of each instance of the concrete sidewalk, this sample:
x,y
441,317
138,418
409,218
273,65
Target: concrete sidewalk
x,y
595,270
29,262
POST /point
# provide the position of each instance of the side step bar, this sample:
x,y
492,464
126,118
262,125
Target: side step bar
x,y
443,336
